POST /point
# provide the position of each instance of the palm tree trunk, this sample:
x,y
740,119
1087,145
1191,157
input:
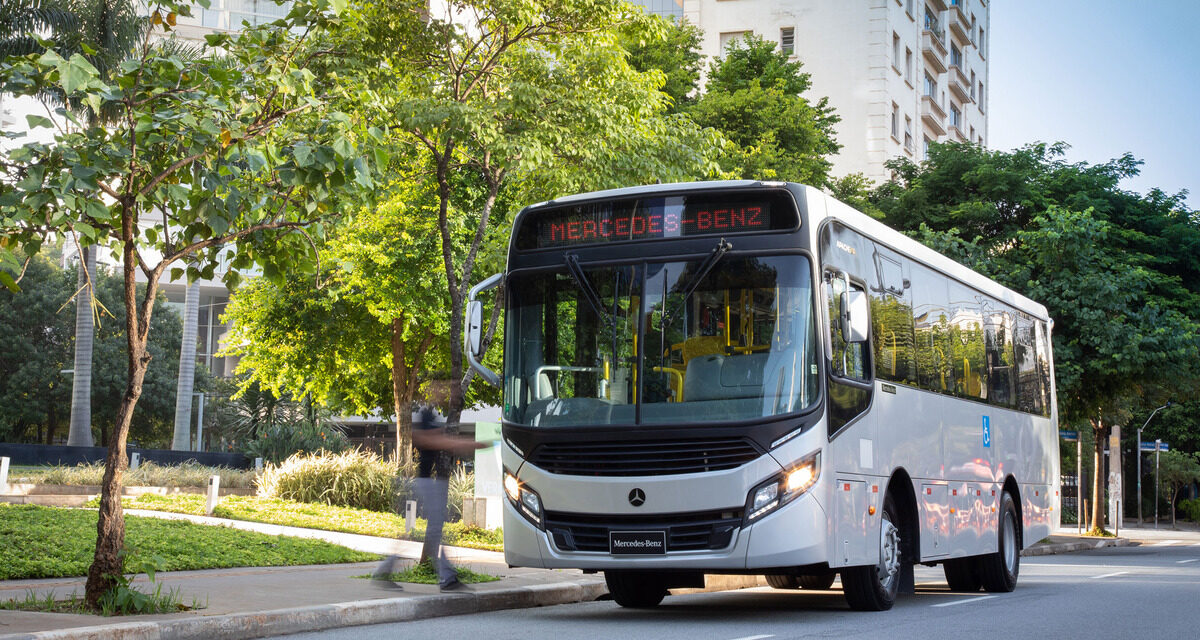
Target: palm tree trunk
x,y
80,434
187,371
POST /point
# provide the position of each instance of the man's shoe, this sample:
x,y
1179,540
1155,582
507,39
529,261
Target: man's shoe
x,y
454,585
389,585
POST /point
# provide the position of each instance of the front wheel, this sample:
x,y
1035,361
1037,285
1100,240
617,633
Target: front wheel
x,y
635,589
998,571
818,582
874,587
783,581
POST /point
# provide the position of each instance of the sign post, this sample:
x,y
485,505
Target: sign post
x,y
1157,448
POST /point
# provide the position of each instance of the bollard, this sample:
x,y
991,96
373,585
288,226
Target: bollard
x,y
410,516
135,459
214,489
4,474
258,465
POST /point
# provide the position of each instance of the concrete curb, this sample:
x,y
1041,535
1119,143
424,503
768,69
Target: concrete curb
x,y
1069,547
331,616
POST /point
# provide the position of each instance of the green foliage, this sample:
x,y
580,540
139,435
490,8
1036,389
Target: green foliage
x,y
675,54
35,396
148,474
125,599
462,485
754,98
1176,470
359,479
46,542
424,573
1190,509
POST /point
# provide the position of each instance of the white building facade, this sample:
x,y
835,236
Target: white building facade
x,y
900,73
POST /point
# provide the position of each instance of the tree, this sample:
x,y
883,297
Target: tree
x,y
754,98
676,55
1126,333
512,101
1177,469
206,162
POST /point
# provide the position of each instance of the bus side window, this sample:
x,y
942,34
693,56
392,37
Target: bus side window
x,y
849,359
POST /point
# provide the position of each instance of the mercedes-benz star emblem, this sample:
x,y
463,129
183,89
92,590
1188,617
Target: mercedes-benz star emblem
x,y
637,497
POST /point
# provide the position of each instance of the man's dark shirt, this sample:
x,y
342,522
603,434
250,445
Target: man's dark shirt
x,y
426,458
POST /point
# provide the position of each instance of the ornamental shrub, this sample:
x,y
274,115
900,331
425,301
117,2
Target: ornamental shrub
x,y
354,478
1190,509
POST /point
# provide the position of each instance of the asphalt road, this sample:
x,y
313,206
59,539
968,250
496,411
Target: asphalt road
x,y
1146,592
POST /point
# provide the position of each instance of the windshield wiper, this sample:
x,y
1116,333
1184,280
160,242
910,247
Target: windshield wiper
x,y
711,261
589,293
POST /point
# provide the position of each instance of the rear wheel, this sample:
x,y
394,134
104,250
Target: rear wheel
x,y
998,571
636,589
817,582
783,581
874,587
962,574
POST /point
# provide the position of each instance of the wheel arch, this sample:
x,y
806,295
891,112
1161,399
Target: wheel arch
x,y
1011,487
900,487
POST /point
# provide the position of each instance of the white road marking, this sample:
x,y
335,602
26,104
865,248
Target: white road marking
x,y
964,601
1165,543
1196,545
1109,575
755,637
1186,561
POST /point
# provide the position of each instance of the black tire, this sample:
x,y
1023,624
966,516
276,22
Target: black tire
x,y
874,587
962,574
998,571
783,581
635,589
818,582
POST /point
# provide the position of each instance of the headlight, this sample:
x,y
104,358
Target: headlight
x,y
784,487
525,500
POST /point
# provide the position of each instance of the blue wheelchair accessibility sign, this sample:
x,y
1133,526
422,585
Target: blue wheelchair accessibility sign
x,y
987,432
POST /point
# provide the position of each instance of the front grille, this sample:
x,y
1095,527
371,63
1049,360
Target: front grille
x,y
698,531
651,458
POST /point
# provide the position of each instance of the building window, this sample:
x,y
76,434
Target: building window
x,y
955,116
955,56
925,149
896,51
982,43
729,36
908,65
972,85
908,7
930,87
895,121
981,100
974,40
972,137
908,133
787,41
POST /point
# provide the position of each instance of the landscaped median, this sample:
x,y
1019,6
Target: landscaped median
x,y
48,542
318,516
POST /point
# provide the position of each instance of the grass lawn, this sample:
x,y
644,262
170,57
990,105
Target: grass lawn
x,y
423,573
48,542
319,516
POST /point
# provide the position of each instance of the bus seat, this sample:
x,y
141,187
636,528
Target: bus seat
x,y
744,372
703,378
543,389
702,346
716,377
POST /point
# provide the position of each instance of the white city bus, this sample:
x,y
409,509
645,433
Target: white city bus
x,y
753,378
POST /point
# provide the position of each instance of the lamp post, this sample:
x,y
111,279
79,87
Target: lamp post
x,y
1139,463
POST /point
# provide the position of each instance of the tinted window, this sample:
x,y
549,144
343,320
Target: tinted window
x,y
1001,366
892,324
965,338
1029,392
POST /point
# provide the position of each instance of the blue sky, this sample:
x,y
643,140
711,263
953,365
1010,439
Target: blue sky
x,y
1106,77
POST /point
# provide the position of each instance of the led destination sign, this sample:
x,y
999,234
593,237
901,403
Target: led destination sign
x,y
651,219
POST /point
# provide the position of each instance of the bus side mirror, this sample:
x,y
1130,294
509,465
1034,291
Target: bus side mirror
x,y
855,324
473,331
475,328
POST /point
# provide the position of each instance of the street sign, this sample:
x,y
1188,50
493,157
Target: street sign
x,y
1069,436
1149,446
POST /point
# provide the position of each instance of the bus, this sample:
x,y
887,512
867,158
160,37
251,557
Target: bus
x,y
745,377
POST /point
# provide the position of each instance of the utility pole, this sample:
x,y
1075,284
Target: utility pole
x,y
1139,463
1157,449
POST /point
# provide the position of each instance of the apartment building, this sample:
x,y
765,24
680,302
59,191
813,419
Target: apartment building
x,y
901,73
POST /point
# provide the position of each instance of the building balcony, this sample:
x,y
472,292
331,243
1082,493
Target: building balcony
x,y
959,85
937,5
933,116
956,134
933,51
960,24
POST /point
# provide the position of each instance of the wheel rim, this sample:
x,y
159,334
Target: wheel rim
x,y
1010,544
889,554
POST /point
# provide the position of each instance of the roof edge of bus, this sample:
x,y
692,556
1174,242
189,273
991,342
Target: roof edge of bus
x,y
622,192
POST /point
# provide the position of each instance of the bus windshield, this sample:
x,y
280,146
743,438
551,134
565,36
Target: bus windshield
x,y
717,339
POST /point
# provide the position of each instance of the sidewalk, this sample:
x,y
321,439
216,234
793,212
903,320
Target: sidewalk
x,y
257,602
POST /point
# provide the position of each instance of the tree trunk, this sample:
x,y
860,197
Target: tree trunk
x,y
187,371
401,396
51,422
110,527
85,332
1099,477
